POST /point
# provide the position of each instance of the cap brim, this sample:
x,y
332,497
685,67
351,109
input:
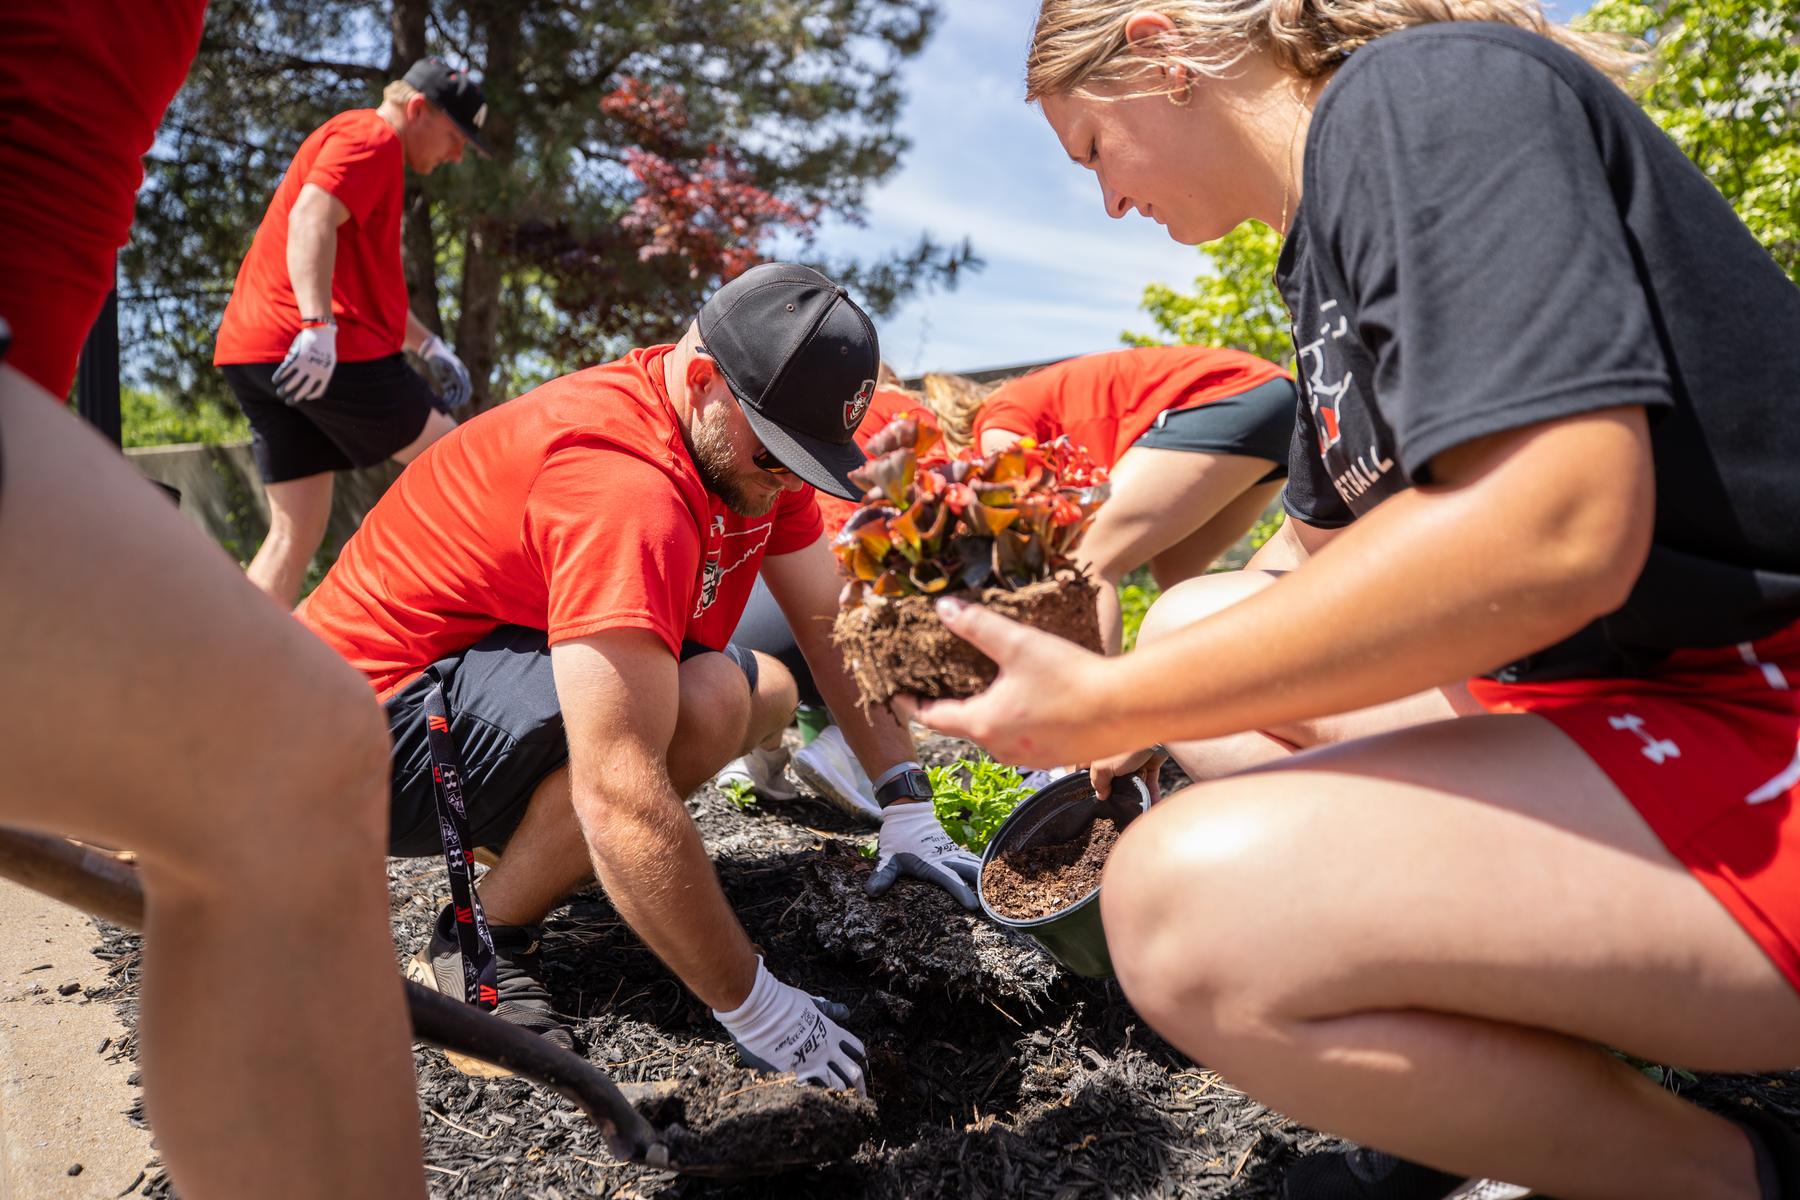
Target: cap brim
x,y
825,465
474,137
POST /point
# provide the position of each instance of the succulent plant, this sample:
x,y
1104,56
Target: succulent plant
x,y
1004,520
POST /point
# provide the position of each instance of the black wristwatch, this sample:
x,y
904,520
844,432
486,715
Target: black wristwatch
x,y
912,784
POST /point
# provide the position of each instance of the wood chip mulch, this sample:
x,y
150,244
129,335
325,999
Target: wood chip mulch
x,y
993,1073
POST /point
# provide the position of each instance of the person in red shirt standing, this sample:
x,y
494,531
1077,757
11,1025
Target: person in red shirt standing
x,y
551,590
312,337
1196,439
249,796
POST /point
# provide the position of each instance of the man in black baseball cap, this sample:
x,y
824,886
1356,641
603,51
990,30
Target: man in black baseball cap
x,y
802,358
575,623
454,94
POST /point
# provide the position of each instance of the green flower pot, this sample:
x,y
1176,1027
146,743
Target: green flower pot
x,y
1072,935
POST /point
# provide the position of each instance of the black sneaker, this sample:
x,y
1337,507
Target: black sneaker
x,y
524,1001
1371,1175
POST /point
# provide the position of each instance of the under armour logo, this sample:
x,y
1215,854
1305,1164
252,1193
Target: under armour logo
x,y
1657,750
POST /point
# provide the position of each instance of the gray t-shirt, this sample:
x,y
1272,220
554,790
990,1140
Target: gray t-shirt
x,y
1493,235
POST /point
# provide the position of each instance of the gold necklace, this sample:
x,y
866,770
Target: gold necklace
x,y
1287,180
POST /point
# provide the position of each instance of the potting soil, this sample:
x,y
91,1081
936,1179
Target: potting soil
x,y
901,647
1037,881
993,1074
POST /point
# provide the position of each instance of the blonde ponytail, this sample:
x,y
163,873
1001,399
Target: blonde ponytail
x,y
1080,43
956,401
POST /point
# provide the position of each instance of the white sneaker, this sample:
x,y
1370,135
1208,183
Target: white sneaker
x,y
828,769
762,770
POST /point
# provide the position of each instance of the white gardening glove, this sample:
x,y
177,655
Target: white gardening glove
x,y
448,374
780,1028
913,843
306,371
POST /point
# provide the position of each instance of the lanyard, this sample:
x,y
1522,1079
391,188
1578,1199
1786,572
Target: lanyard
x,y
480,984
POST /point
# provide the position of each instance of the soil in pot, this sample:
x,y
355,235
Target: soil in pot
x,y
898,646
1024,884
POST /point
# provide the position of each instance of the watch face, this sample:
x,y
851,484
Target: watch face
x,y
909,785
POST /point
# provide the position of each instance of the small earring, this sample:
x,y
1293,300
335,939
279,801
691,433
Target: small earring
x,y
1186,96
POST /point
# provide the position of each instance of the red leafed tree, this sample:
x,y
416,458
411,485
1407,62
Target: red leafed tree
x,y
707,213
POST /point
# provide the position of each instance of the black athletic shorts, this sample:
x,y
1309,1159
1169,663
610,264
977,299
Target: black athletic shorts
x,y
369,412
1259,423
508,730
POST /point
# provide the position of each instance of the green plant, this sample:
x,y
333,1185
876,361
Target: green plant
x,y
1670,1077
146,419
1136,594
740,792
972,797
1266,528
1726,87
1007,519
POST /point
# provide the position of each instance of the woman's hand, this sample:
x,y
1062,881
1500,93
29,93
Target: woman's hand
x,y
1144,763
1047,706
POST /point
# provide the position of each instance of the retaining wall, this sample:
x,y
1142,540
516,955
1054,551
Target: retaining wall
x,y
221,492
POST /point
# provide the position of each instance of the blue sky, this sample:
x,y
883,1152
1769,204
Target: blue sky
x,y
1061,278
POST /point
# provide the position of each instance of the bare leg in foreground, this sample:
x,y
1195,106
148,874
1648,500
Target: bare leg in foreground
x,y
1432,933
275,1043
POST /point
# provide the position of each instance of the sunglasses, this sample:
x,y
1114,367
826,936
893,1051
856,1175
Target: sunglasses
x,y
764,461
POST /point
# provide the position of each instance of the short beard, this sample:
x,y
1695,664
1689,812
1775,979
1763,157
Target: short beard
x,y
709,446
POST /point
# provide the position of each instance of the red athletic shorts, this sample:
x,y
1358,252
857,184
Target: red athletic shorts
x,y
1707,749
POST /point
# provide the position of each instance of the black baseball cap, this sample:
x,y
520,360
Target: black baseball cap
x,y
452,91
802,358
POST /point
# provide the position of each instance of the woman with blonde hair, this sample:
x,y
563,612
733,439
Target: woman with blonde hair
x,y
1196,439
1545,448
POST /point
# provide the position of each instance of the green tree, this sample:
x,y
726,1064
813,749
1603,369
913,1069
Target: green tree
x,y
1233,302
1726,87
644,150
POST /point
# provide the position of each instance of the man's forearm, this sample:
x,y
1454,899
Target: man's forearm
x,y
311,256
649,857
878,739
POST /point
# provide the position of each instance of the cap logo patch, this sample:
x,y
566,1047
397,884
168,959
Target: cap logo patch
x,y
856,407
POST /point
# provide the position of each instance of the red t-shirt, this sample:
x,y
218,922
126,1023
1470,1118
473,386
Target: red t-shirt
x,y
1105,402
573,509
884,406
83,86
356,156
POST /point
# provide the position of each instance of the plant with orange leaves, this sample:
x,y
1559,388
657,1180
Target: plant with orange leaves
x,y
1006,520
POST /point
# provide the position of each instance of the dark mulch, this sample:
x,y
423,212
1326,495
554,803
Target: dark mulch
x,y
992,1073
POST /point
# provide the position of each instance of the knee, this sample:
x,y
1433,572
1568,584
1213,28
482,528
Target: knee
x,y
1178,902
777,695
716,702
1198,598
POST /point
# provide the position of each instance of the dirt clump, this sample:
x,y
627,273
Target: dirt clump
x,y
898,646
733,1119
1037,881
919,941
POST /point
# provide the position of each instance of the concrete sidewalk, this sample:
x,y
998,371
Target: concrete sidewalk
x,y
62,1101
